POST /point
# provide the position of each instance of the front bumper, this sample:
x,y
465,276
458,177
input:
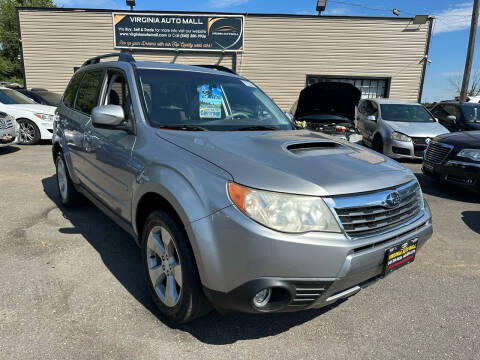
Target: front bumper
x,y
8,137
404,150
240,258
461,173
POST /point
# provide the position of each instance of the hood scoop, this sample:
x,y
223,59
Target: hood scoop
x,y
312,148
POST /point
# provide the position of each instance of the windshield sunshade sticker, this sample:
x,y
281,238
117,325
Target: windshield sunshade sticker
x,y
210,101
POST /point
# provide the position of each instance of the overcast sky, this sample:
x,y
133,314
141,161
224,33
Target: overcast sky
x,y
448,46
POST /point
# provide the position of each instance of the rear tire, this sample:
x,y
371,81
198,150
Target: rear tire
x,y
170,270
29,132
378,144
66,190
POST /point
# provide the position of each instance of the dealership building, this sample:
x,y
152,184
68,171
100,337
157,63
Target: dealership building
x,y
382,56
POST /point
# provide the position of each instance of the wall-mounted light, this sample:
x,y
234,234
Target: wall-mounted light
x,y
420,19
321,6
131,3
425,59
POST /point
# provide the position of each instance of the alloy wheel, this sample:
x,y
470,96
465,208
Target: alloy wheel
x,y
27,132
62,179
164,267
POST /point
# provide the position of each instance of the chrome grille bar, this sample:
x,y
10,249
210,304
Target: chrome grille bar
x,y
368,213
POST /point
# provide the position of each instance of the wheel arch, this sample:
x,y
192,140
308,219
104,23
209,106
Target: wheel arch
x,y
152,201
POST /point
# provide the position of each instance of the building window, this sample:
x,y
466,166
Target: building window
x,y
371,87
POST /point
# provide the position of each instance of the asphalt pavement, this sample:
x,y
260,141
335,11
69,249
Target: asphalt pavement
x,y
71,287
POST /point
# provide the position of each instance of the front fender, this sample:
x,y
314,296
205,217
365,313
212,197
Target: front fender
x,y
194,194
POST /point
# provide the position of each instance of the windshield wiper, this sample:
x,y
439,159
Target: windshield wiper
x,y
183,127
256,127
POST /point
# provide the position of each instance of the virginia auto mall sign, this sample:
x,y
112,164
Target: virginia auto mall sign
x,y
178,32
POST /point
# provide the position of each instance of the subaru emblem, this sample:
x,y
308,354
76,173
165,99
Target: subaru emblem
x,y
393,199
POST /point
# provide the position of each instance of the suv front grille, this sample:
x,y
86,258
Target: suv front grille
x,y
370,213
436,153
6,123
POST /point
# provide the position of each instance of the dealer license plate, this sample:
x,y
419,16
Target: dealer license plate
x,y
400,255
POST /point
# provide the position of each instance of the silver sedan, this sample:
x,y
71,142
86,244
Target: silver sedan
x,y
396,128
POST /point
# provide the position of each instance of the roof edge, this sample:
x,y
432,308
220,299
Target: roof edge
x,y
219,13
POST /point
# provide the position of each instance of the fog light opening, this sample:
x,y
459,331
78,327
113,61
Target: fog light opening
x,y
262,298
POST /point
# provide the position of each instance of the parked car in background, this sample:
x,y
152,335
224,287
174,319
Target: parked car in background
x,y
231,206
455,158
397,128
328,107
456,116
35,121
42,96
475,99
8,130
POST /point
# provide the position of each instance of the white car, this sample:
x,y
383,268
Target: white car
x,y
35,121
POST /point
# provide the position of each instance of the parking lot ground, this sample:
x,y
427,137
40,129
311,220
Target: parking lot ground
x,y
71,287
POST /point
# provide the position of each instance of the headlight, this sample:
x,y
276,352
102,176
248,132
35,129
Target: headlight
x,y
45,117
472,154
400,137
283,212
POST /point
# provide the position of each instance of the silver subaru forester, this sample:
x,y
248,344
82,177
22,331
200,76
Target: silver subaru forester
x,y
231,206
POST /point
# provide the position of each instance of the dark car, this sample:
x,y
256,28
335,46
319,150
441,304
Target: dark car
x,y
456,116
455,158
42,96
328,107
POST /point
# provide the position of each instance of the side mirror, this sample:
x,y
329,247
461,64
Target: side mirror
x,y
108,116
452,118
371,118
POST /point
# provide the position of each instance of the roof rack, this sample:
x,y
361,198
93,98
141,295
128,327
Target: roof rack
x,y
219,68
122,56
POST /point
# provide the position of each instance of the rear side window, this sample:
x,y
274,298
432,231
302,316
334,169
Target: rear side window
x,y
69,96
89,91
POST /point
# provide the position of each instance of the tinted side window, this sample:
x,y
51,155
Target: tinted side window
x,y
69,96
89,91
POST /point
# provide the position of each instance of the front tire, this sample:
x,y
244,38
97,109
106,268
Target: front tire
x,y
170,270
66,190
29,133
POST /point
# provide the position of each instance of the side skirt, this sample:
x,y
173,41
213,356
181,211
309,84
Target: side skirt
x,y
125,225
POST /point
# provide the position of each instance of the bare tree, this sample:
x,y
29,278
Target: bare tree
x,y
474,85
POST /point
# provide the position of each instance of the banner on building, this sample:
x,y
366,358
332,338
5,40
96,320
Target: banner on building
x,y
178,32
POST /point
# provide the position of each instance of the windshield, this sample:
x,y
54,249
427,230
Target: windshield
x,y
205,101
9,97
472,113
326,118
405,113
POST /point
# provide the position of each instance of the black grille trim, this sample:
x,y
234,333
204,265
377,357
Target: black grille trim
x,y
307,292
436,153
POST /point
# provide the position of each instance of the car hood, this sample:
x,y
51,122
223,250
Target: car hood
x,y
280,161
328,98
417,129
35,108
463,138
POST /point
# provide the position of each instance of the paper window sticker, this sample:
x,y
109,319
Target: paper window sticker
x,y
210,101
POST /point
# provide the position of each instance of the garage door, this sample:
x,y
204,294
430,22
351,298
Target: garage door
x,y
371,87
